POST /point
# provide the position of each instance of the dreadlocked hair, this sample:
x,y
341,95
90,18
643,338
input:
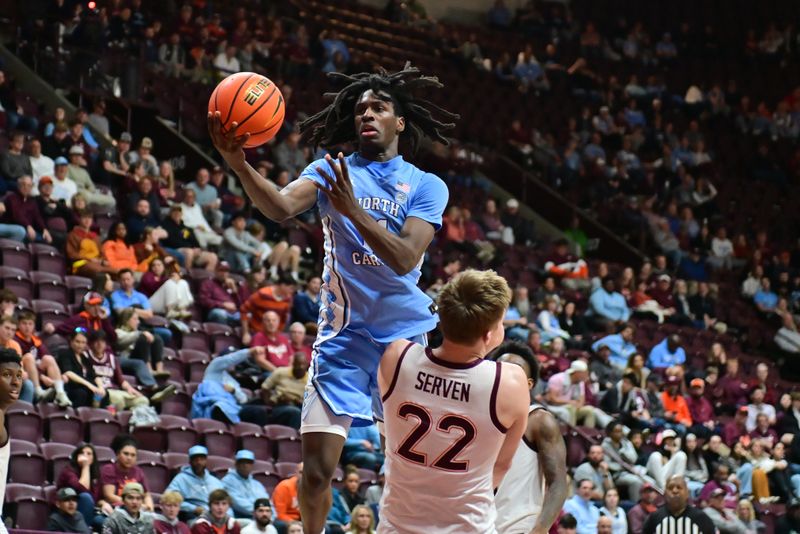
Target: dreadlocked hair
x,y
336,125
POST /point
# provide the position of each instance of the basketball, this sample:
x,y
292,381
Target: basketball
x,y
251,100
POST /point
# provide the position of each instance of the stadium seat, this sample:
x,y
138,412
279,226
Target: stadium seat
x,y
64,428
147,456
285,469
179,404
252,437
287,442
195,340
175,460
157,475
104,454
101,424
195,361
30,508
23,446
17,281
57,456
180,434
49,286
219,465
174,365
27,468
48,259
78,287
150,438
15,254
24,422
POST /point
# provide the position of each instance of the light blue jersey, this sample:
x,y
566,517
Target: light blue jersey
x,y
363,302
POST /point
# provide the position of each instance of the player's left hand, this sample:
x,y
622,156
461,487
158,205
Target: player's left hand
x,y
340,189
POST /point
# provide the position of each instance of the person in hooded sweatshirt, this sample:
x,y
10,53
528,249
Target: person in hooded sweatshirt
x,y
217,520
66,517
195,483
167,521
130,518
242,487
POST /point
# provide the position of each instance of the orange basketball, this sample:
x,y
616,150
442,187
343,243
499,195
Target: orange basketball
x,y
252,101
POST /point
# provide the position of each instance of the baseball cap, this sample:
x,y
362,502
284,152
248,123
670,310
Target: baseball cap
x,y
76,150
45,180
664,278
245,456
512,203
146,142
262,502
577,366
742,409
668,433
223,266
198,450
126,137
719,492
648,487
65,494
672,379
132,487
697,383
93,298
61,160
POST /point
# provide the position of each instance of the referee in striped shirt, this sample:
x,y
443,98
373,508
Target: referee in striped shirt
x,y
676,516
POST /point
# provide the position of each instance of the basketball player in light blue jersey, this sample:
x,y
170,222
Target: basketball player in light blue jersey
x,y
379,214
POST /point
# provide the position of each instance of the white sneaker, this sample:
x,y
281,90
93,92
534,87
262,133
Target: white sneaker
x,y
62,399
45,395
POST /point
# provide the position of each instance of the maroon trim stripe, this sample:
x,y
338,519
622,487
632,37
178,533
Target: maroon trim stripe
x,y
452,365
493,400
397,371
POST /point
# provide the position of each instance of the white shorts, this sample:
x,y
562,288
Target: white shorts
x,y
317,417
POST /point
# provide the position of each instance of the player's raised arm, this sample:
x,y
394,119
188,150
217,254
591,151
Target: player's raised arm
x,y
512,410
543,430
277,205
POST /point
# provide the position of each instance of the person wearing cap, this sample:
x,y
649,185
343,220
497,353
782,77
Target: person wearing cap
x,y
607,306
167,522
642,509
219,396
522,228
677,516
54,211
700,409
668,461
95,198
41,165
64,188
667,353
143,154
182,239
676,410
723,518
221,296
620,345
114,159
566,396
130,518
92,318
262,519
77,135
66,517
194,483
207,197
242,488
791,521
721,479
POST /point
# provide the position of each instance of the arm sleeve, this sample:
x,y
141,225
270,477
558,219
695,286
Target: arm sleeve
x,y
429,201
233,240
218,365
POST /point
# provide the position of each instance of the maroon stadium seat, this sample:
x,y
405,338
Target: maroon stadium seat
x,y
24,422
23,446
175,460
102,427
195,361
78,286
65,428
289,448
104,454
179,404
253,438
27,468
219,465
48,259
57,456
15,254
157,474
30,508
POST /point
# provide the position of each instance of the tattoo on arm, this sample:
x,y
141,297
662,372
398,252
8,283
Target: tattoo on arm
x,y
553,457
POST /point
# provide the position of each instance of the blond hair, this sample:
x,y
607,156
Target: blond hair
x,y
471,304
358,508
172,497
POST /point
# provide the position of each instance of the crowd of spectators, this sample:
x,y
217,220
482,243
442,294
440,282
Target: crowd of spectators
x,y
163,251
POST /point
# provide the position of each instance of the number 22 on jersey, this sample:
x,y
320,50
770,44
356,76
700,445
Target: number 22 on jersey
x,y
447,459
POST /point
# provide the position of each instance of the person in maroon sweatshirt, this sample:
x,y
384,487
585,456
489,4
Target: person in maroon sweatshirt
x,y
216,520
703,420
167,521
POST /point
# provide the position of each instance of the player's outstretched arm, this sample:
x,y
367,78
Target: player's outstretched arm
x,y
513,399
292,200
401,252
544,432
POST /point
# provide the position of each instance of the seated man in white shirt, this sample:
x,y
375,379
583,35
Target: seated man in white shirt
x,y
193,218
41,165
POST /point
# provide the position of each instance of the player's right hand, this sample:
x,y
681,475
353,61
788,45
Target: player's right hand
x,y
227,142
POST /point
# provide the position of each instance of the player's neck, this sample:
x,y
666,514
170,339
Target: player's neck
x,y
381,155
452,352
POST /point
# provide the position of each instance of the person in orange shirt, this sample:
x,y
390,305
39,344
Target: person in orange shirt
x,y
8,326
83,248
119,254
284,497
277,298
40,365
676,410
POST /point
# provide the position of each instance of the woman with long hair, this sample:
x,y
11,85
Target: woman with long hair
x,y
636,366
168,292
80,382
83,475
747,514
118,253
362,520
165,181
611,508
696,467
104,285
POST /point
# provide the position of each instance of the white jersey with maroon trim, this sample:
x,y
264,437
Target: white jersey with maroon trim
x,y
443,437
5,454
520,496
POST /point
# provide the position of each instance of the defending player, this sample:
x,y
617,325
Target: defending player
x,y
10,386
452,419
531,495
379,214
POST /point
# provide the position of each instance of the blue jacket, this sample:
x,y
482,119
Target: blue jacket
x,y
358,434
243,492
609,305
211,391
661,357
194,489
338,513
621,350
304,309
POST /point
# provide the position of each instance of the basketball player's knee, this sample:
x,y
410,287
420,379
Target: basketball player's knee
x,y
316,478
